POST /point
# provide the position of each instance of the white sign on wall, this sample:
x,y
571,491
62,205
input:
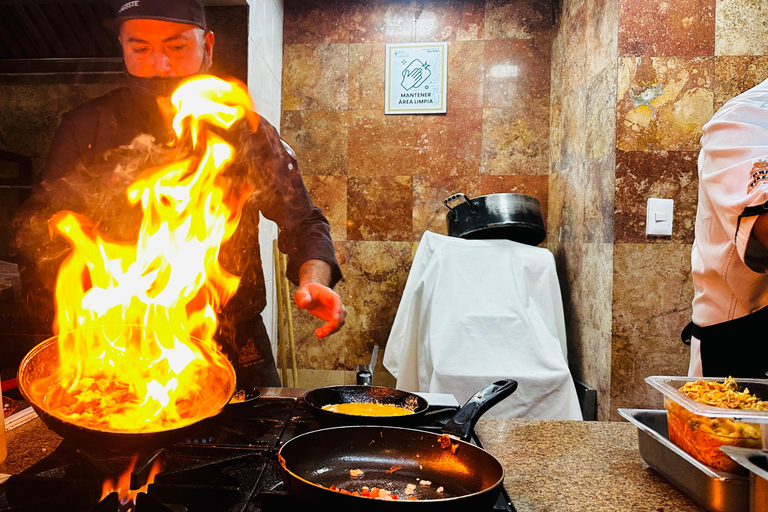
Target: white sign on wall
x,y
416,78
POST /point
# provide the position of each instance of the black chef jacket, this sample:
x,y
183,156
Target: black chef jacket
x,y
91,130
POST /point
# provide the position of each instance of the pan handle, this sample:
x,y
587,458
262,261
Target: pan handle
x,y
472,206
365,371
463,422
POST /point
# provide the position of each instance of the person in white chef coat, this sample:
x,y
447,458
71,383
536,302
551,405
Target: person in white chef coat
x,y
729,259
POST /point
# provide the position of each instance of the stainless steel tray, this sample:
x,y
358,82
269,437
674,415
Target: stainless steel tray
x,y
714,490
756,461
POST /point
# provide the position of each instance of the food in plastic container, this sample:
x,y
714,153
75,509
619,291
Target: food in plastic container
x,y
704,414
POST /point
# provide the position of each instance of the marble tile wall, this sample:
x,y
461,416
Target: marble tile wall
x,y
381,180
678,62
581,182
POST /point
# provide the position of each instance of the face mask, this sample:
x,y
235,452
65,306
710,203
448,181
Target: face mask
x,y
154,86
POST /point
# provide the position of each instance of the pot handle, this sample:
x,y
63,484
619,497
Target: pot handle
x,y
463,422
365,371
472,206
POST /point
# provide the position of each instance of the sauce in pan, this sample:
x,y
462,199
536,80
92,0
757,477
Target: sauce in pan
x,y
367,409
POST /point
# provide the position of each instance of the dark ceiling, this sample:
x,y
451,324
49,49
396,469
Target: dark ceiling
x,y
44,37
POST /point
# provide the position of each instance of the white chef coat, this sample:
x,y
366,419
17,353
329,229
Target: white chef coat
x,y
729,269
477,311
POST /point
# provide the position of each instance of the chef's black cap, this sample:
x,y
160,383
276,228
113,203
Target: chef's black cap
x,y
178,11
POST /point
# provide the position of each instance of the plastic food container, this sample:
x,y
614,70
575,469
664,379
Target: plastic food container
x,y
700,429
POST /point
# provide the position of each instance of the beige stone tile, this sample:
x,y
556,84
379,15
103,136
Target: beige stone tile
x,y
380,208
636,357
450,20
597,282
517,20
319,139
429,194
465,74
569,50
734,75
516,72
402,145
311,379
684,28
555,206
740,28
573,128
601,113
375,275
366,77
515,141
315,76
601,35
589,355
315,21
662,174
652,290
663,103
556,135
329,193
573,191
386,21
600,199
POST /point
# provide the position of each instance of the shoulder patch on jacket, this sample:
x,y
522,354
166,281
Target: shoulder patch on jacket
x,y
758,173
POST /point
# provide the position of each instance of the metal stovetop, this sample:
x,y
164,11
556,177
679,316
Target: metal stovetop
x,y
230,466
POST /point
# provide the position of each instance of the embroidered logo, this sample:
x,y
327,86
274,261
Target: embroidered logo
x,y
128,5
758,173
249,354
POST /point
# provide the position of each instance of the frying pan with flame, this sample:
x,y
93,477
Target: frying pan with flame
x,y
42,361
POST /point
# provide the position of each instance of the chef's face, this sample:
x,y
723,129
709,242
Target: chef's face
x,y
153,48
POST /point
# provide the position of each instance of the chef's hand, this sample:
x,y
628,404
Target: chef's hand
x,y
316,297
323,303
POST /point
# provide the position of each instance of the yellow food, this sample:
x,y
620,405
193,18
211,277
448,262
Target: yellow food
x,y
367,409
702,436
725,394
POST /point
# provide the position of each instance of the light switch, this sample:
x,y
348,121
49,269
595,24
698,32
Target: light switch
x,y
658,221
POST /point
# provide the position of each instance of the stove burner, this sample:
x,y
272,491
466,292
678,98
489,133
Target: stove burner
x,y
228,467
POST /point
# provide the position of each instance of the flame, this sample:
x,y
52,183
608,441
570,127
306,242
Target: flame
x,y
135,320
122,485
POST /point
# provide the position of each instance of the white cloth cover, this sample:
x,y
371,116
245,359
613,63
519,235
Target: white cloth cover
x,y
476,311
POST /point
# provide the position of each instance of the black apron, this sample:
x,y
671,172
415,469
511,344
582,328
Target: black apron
x,y
736,348
250,352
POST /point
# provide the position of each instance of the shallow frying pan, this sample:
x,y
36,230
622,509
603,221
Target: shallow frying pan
x,y
393,457
43,359
364,392
318,398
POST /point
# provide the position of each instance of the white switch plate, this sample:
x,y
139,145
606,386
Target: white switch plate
x,y
658,220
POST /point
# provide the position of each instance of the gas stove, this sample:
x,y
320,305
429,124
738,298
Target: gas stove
x,y
228,466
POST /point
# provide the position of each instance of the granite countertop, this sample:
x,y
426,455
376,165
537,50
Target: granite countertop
x,y
28,444
551,466
566,466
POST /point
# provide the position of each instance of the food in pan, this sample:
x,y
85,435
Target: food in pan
x,y
238,397
367,409
374,492
702,436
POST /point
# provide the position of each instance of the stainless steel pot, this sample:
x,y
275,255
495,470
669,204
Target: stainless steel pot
x,y
496,216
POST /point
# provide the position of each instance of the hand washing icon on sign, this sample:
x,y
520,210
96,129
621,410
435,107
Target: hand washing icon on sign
x,y
415,74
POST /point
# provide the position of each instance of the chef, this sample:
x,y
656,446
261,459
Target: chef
x,y
164,42
729,259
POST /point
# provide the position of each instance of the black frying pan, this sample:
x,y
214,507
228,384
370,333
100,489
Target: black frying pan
x,y
42,361
393,457
318,398
364,392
